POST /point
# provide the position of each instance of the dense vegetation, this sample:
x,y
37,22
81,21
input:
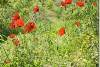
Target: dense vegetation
x,y
49,33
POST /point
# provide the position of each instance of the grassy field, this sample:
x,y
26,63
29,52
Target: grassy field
x,y
49,33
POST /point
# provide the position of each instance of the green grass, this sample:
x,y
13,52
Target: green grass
x,y
44,47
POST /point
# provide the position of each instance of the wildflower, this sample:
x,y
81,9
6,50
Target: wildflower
x,y
63,3
36,9
16,16
16,42
80,4
61,31
20,23
16,23
12,35
13,25
68,1
77,24
30,26
94,3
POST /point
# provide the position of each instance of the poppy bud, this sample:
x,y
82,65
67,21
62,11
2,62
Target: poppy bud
x,y
36,9
16,42
12,35
80,4
61,31
77,24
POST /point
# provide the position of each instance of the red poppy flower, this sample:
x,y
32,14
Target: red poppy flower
x,y
77,24
68,1
20,23
36,9
80,4
63,3
16,42
61,31
16,23
94,3
7,61
16,16
12,35
31,26
13,25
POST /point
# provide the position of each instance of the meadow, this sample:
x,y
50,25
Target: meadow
x,y
49,33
